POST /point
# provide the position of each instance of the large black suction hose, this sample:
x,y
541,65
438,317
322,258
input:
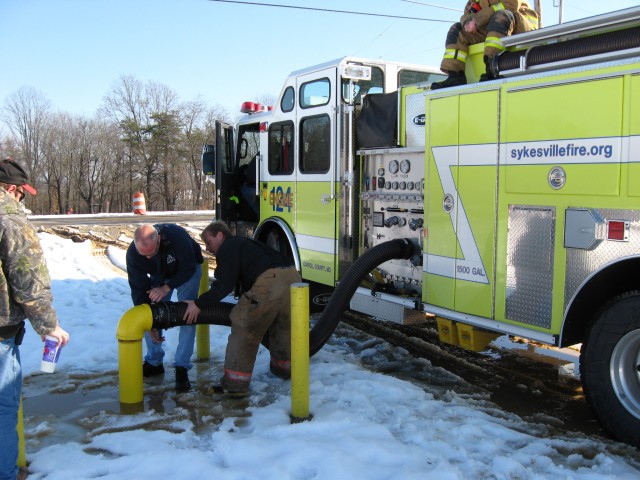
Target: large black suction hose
x,y
576,48
339,302
169,314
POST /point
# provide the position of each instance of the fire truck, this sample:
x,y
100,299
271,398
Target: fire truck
x,y
503,207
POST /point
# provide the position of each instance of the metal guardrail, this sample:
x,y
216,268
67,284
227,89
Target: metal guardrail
x,y
123,218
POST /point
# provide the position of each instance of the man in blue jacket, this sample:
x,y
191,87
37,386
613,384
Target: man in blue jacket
x,y
162,258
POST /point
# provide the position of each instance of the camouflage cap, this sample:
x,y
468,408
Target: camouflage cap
x,y
12,173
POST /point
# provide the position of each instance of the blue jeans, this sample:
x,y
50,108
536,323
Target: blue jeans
x,y
186,339
10,388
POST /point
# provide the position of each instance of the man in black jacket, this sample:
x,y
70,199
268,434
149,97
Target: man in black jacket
x,y
264,277
162,258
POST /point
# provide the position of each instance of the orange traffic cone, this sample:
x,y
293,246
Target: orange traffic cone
x,y
139,206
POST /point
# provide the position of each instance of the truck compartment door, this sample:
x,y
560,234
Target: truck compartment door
x,y
461,196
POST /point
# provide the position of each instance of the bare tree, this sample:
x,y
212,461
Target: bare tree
x,y
142,139
125,105
108,168
26,112
198,127
146,115
80,162
60,147
88,169
8,148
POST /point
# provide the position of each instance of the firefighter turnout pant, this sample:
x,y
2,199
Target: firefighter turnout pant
x,y
501,24
266,307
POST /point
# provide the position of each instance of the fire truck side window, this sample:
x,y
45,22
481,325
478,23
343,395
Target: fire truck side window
x,y
288,100
248,143
315,93
411,77
281,148
226,157
315,134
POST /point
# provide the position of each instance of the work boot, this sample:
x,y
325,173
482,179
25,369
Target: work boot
x,y
220,390
231,388
280,372
149,370
453,80
182,380
485,77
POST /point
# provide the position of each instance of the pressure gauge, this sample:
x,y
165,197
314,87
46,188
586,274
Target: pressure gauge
x,y
403,185
405,166
409,185
380,171
393,166
394,185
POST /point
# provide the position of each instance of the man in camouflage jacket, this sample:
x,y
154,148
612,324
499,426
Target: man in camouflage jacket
x,y
24,293
483,21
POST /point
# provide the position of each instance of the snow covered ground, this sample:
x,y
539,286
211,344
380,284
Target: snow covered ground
x,y
365,425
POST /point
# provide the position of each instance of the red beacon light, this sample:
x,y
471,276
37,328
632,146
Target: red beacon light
x,y
248,107
252,107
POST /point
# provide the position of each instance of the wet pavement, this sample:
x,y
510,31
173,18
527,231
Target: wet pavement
x,y
86,404
80,405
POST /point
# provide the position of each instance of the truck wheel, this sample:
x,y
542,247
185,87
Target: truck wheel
x,y
610,367
276,240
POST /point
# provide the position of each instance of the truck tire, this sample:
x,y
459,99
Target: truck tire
x,y
277,240
610,367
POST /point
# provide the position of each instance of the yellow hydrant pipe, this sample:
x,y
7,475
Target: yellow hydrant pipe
x,y
299,352
131,328
203,348
22,451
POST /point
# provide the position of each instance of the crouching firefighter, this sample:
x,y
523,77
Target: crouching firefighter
x,y
264,306
483,21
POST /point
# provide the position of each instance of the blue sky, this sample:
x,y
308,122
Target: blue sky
x,y
73,51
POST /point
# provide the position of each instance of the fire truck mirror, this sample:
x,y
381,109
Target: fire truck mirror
x,y
209,159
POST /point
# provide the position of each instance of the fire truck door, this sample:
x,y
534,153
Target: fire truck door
x,y
225,172
316,196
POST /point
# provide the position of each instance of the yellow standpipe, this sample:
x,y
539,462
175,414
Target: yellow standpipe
x,y
300,352
22,451
131,328
203,348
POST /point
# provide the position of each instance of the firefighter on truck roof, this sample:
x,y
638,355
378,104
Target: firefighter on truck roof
x,y
483,21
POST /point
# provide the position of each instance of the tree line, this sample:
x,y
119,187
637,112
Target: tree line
x,y
141,139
